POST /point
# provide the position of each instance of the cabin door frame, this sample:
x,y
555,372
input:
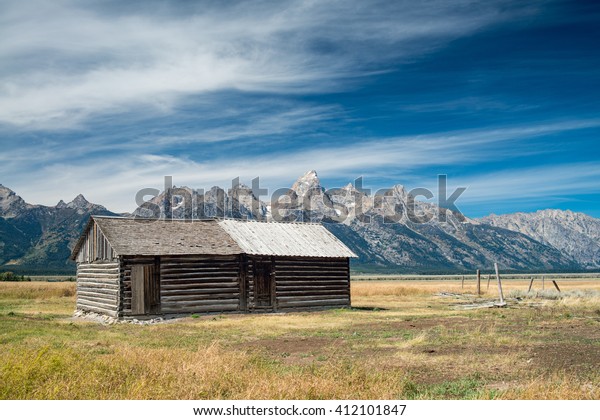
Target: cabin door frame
x,y
262,272
145,289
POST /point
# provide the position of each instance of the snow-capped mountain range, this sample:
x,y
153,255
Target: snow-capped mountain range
x,y
392,232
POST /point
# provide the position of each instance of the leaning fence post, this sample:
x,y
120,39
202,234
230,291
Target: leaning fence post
x,y
556,285
530,284
499,284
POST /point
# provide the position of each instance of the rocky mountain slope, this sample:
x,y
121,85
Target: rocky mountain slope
x,y
38,239
391,232
384,231
574,234
399,233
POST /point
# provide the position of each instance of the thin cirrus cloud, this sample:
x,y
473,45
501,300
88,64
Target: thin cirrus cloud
x,y
69,61
105,98
115,182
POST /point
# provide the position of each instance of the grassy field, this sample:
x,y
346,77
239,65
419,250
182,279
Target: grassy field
x,y
401,340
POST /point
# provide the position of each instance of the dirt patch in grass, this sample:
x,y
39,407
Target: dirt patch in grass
x,y
295,350
426,323
566,357
291,345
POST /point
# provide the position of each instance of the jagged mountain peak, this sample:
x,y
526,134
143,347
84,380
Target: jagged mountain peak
x,y
79,202
6,192
401,244
10,203
400,191
308,182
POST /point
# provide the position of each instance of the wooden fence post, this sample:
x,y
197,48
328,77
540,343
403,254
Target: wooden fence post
x,y
556,285
478,282
462,283
530,284
499,284
543,282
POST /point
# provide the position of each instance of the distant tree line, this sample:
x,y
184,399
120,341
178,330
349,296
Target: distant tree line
x,y
10,276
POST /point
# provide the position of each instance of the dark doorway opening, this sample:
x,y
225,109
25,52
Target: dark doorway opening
x,y
145,289
263,296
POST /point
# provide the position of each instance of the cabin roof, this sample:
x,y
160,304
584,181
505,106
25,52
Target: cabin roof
x,y
131,236
285,239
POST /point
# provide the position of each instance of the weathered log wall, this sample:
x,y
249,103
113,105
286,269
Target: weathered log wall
x,y
197,284
302,283
200,283
98,287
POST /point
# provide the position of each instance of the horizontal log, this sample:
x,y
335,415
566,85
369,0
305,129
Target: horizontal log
x,y
108,281
312,273
199,263
309,297
312,308
198,282
110,272
96,266
92,303
312,291
176,298
199,309
180,292
200,276
199,302
100,293
164,285
311,303
99,298
102,276
82,280
114,272
111,264
103,311
129,263
193,271
299,276
198,257
302,263
104,289
303,286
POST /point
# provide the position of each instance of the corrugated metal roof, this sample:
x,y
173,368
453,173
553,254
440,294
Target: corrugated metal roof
x,y
130,236
285,239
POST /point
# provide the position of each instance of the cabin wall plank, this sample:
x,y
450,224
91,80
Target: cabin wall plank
x,y
303,283
98,287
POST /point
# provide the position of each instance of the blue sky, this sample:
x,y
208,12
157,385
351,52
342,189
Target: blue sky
x,y
106,98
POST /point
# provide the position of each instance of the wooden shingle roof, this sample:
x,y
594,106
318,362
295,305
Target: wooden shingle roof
x,y
129,236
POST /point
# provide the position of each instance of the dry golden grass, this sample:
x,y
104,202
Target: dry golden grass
x,y
211,372
36,290
556,386
402,340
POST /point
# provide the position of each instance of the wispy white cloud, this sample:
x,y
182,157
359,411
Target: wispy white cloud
x,y
68,60
114,182
533,183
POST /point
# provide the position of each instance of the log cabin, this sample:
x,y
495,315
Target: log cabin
x,y
143,268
